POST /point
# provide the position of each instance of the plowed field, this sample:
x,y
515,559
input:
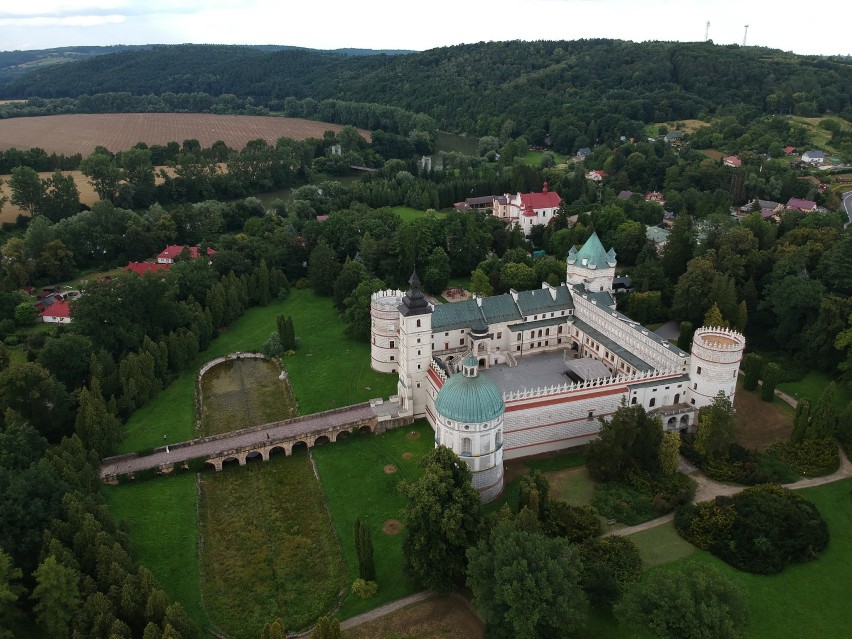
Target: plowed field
x,y
81,133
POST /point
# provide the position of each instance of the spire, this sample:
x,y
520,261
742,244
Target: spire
x,y
414,303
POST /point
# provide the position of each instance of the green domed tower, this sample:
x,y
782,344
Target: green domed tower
x,y
470,422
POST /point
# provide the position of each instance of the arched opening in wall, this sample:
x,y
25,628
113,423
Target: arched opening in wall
x,y
277,451
253,456
341,435
230,461
482,362
208,466
575,347
365,430
684,421
466,446
322,440
677,398
672,422
299,448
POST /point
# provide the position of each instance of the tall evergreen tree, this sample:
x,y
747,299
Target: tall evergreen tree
x,y
752,367
770,375
801,421
823,421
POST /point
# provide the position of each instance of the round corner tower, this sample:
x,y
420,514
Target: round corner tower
x,y
469,420
384,330
714,364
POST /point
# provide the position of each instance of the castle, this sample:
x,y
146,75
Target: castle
x,y
529,372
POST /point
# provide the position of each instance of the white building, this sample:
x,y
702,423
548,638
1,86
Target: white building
x,y
561,357
527,209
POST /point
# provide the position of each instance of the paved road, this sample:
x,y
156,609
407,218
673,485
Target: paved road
x,y
847,205
260,436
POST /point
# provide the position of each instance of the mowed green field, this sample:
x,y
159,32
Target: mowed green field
x,y
355,478
328,370
162,519
269,549
407,213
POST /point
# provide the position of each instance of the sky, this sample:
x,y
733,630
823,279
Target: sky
x,y
803,28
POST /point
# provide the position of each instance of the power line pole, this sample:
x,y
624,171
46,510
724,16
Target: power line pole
x,y
745,35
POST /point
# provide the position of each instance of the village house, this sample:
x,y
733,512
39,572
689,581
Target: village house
x,y
57,313
527,209
733,161
481,203
790,150
655,196
596,176
796,204
813,157
170,253
658,235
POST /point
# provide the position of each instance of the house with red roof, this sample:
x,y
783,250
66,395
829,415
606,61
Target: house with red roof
x,y
805,206
596,176
170,253
140,268
57,313
733,161
790,150
527,209
655,196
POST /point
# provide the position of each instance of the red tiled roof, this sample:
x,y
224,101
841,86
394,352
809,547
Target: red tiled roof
x,y
802,205
140,268
173,250
547,200
322,218
733,160
789,149
58,309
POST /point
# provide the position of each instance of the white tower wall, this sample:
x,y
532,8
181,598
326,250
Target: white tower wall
x,y
714,363
384,329
481,448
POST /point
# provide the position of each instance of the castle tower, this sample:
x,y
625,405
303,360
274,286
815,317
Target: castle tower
x,y
384,326
469,420
591,266
714,363
415,348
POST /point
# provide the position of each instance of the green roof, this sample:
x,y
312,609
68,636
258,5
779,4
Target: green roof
x,y
469,400
449,317
592,255
500,308
539,300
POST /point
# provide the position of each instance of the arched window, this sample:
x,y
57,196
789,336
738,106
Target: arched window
x,y
652,402
677,398
418,323
466,446
498,439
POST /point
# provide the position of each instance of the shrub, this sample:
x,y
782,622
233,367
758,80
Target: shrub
x,y
610,565
622,502
771,373
574,523
364,589
760,530
811,457
12,340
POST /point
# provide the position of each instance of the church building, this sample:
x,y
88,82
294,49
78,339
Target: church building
x,y
529,372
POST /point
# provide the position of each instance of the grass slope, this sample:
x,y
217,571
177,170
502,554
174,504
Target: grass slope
x,y
353,477
812,386
329,370
161,517
269,549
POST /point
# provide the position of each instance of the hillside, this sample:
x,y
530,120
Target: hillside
x,y
587,88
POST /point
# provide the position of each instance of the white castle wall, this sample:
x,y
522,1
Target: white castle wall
x,y
485,459
714,363
384,325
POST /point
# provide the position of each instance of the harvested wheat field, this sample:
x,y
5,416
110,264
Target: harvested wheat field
x,y
81,133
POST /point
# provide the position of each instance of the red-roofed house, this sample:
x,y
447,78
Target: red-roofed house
x,y
527,209
732,161
172,251
655,196
596,176
57,313
795,204
140,268
790,150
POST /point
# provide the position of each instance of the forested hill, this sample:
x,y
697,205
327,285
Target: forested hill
x,y
538,86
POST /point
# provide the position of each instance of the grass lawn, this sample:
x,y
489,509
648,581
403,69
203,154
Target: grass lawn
x,y
571,485
533,158
812,386
356,483
661,545
759,424
161,518
327,365
407,213
268,547
547,463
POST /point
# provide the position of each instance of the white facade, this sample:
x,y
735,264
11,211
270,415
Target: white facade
x,y
384,329
715,361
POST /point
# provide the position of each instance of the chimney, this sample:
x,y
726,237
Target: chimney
x,y
544,187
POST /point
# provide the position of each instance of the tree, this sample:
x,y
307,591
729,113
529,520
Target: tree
x,y
823,422
67,357
713,318
103,174
323,269
771,374
801,420
356,317
697,602
715,427
274,630
25,314
670,452
61,197
631,438
364,551
96,426
27,190
752,367
351,275
326,629
30,390
443,518
10,591
57,595
519,277
480,285
679,248
437,274
526,585
610,565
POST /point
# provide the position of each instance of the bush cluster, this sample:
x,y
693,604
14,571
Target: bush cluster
x,y
811,457
739,465
640,496
760,530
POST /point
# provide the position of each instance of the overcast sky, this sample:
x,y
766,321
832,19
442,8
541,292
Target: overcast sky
x,y
802,27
